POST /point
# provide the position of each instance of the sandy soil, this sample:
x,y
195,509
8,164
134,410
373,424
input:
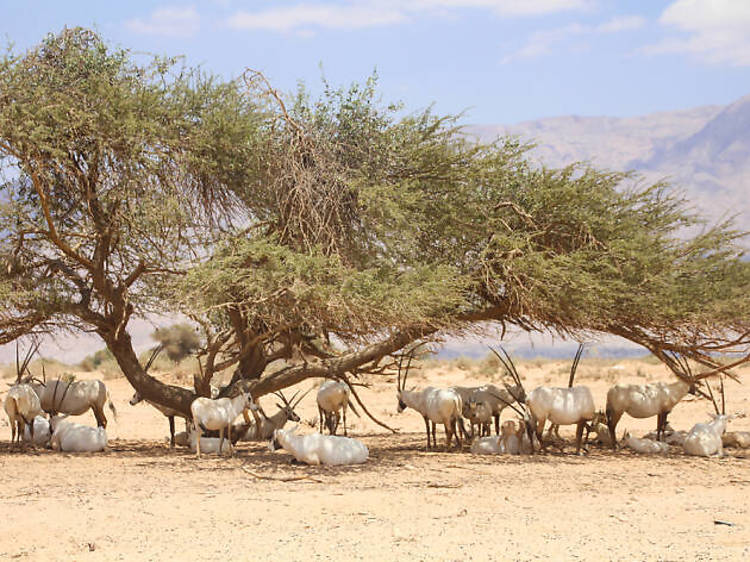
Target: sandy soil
x,y
141,501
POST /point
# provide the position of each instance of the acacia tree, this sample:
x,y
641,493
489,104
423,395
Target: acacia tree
x,y
319,237
375,230
108,167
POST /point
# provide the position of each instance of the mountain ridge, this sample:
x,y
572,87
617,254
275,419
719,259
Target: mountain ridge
x,y
702,151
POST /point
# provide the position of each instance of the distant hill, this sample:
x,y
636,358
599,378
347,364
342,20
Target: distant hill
x,y
703,151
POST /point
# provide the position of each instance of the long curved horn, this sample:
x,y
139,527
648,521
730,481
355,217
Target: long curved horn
x,y
154,354
294,404
23,366
574,366
507,362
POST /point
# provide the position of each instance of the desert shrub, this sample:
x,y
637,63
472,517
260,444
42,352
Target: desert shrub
x,y
179,340
95,360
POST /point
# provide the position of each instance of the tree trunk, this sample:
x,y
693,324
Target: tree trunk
x,y
148,387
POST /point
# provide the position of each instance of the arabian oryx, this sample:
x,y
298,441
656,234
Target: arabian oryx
x,y
59,396
21,403
332,397
563,406
706,439
319,449
653,399
437,405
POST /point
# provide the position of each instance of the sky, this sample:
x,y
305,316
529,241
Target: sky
x,y
499,61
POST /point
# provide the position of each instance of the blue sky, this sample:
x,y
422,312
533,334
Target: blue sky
x,y
503,61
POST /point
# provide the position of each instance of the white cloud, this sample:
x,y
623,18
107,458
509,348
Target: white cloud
x,y
715,31
621,23
333,16
168,21
357,14
507,7
546,42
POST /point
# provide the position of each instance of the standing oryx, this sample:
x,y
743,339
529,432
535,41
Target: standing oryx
x,y
21,403
562,406
333,396
653,399
437,405
59,396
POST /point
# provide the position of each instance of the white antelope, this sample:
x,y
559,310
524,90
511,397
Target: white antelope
x,y
168,412
21,403
218,414
562,406
648,400
332,397
437,405
319,449
479,414
704,439
572,405
75,437
22,406
60,396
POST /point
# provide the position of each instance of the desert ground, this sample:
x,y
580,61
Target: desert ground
x,y
141,501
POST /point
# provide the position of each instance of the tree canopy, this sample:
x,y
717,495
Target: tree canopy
x,y
315,237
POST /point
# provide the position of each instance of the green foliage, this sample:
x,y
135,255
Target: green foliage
x,y
114,167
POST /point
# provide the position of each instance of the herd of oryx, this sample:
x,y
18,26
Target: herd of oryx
x,y
39,409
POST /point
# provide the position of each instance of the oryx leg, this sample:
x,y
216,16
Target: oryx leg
x,y
612,420
321,416
497,423
660,425
101,420
579,436
427,428
171,431
540,431
198,440
345,433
